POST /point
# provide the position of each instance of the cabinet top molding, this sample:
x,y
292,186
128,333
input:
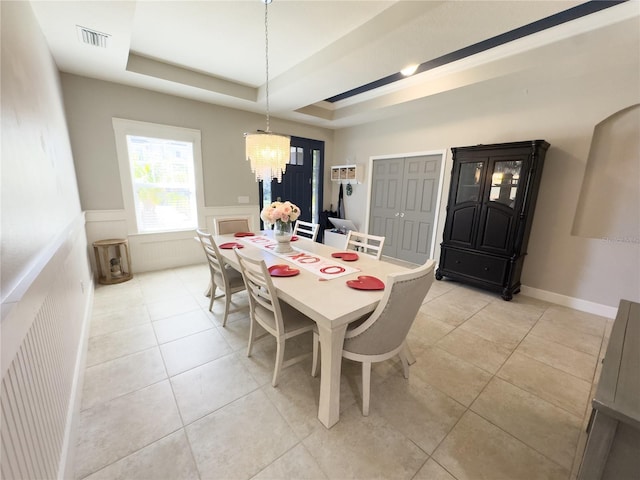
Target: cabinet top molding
x,y
528,143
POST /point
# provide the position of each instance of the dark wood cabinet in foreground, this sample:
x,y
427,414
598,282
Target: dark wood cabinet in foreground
x,y
489,214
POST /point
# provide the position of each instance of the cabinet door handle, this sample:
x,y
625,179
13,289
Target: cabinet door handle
x,y
486,269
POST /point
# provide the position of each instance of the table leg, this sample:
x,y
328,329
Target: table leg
x,y
331,341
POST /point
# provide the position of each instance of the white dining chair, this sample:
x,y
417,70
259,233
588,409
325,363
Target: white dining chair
x,y
365,243
227,225
223,277
277,317
383,334
306,229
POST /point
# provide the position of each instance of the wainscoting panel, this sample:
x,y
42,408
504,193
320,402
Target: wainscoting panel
x,y
158,251
40,387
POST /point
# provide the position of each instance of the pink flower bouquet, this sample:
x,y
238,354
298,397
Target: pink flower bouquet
x,y
285,212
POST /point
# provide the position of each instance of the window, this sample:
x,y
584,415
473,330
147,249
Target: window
x,y
160,169
164,187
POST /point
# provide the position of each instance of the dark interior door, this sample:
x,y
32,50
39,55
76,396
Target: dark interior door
x,y
302,181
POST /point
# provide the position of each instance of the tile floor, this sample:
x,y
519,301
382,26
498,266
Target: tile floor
x,y
500,390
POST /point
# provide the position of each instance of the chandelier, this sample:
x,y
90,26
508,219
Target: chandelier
x,y
267,152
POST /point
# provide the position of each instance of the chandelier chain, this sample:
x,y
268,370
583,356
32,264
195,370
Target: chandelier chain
x,y
266,54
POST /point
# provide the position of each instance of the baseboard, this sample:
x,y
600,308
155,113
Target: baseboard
x,y
570,302
67,460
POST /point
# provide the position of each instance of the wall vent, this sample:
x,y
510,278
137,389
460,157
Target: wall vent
x,y
91,37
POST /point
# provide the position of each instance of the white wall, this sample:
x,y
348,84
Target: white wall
x,y
46,282
39,190
540,103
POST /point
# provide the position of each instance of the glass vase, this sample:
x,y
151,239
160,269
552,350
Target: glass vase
x,y
282,232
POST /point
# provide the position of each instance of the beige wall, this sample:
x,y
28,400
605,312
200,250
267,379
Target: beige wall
x,y
39,192
91,105
537,104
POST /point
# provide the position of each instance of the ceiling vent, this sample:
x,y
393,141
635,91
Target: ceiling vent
x,y
91,37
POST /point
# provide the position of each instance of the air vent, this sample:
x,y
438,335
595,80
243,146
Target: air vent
x,y
91,37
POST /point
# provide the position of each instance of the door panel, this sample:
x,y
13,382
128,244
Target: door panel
x,y
385,201
418,207
295,187
403,205
462,225
301,179
497,228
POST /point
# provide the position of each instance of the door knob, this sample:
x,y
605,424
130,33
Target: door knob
x,y
397,213
402,214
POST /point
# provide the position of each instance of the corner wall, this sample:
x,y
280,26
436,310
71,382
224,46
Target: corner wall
x,y
46,282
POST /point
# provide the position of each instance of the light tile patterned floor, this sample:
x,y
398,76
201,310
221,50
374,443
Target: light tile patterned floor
x,y
500,390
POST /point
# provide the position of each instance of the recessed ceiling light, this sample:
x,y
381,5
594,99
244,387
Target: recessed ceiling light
x,y
409,70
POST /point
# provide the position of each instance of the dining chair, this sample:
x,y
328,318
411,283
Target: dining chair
x,y
365,243
277,317
223,276
306,229
226,225
383,334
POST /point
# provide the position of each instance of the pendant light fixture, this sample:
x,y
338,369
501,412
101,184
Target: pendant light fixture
x,y
267,152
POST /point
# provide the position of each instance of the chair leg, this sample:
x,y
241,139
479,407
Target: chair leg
x,y
252,323
212,290
316,353
279,361
366,387
404,359
227,302
410,358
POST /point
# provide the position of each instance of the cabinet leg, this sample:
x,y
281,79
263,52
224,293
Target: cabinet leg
x,y
507,295
438,274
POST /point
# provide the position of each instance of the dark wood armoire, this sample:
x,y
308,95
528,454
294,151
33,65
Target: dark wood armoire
x,y
489,214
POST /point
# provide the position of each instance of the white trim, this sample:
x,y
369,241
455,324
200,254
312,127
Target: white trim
x,y
436,218
570,302
160,250
123,127
67,454
14,293
105,215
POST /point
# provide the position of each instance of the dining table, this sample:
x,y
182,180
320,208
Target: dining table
x,y
330,302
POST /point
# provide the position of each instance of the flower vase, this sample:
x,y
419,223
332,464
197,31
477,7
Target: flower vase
x,y
282,232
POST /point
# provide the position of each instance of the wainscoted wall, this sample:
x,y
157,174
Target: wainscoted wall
x,y
44,330
157,251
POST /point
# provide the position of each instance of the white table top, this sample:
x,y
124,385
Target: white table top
x,y
330,302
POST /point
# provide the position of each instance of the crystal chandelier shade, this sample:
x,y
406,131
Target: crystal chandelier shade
x,y
268,153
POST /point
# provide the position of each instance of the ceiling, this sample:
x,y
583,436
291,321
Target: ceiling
x,y
214,51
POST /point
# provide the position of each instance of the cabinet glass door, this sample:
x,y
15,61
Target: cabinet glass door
x,y
469,182
504,182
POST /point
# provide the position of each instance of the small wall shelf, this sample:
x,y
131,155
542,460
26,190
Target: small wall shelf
x,y
347,173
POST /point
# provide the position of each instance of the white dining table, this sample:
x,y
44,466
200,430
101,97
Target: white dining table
x,y
330,303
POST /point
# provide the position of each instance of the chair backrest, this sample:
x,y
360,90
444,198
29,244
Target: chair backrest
x,y
263,299
226,225
214,259
387,327
365,243
307,229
